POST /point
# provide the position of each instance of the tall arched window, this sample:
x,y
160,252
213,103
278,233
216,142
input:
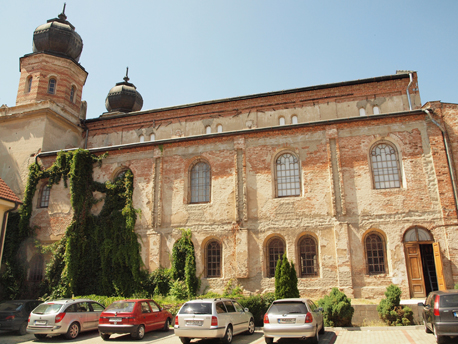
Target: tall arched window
x,y
287,175
36,268
200,183
52,86
385,166
208,129
152,137
375,253
281,120
142,138
44,196
219,128
72,94
308,252
213,259
376,110
28,86
294,119
362,112
275,251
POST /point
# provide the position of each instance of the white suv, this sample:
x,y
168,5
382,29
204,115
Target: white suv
x,y
212,318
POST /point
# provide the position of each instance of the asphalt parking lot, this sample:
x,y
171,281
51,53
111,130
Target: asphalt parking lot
x,y
353,335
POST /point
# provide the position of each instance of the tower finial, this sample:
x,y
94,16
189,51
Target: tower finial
x,y
126,78
62,16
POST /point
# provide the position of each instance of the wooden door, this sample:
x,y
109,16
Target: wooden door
x,y
415,270
439,268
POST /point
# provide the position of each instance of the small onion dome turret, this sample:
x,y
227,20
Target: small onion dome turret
x,y
124,97
58,36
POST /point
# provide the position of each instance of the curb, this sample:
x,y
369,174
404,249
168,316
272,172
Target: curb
x,y
368,328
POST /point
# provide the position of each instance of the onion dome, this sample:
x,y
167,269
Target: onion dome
x,y
58,36
124,97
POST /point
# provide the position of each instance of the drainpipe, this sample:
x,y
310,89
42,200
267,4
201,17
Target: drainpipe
x,y
449,158
3,232
408,94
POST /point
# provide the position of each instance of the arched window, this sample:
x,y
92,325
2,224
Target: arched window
x,y
385,166
213,259
417,234
200,183
72,94
52,86
294,119
142,138
208,129
375,254
287,175
152,137
308,252
28,86
36,268
362,112
219,128
44,196
376,110
275,251
281,120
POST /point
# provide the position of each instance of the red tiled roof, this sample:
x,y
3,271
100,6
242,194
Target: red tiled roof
x,y
6,193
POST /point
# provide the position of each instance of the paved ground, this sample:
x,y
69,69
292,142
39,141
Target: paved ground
x,y
353,335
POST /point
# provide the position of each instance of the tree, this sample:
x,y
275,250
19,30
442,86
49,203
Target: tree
x,y
285,279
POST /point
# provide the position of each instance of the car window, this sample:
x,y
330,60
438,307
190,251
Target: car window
x,y
154,306
311,305
96,307
10,306
229,306
72,308
145,307
237,306
48,308
121,307
449,300
83,307
220,308
288,308
196,308
431,301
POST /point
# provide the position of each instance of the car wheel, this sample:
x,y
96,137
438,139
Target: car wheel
x,y
316,338
427,330
23,329
439,339
140,333
40,336
251,326
105,336
227,339
322,329
166,325
185,340
269,340
73,331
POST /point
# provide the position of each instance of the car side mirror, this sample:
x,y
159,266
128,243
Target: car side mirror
x,y
320,309
246,310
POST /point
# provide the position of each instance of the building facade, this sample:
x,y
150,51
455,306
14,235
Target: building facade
x,y
355,181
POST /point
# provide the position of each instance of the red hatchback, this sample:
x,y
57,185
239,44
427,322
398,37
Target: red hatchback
x,y
133,316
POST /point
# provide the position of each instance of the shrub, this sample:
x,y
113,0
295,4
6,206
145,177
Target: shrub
x,y
391,312
456,286
285,279
159,282
179,290
258,305
232,291
337,309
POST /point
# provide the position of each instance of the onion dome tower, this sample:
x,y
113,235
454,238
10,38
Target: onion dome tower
x,y
124,97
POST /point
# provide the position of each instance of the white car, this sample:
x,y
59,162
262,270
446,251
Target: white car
x,y
212,318
68,317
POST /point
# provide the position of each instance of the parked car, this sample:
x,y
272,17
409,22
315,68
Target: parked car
x,y
293,318
136,317
440,314
68,317
14,315
212,318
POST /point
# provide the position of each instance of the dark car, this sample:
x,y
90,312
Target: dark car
x,y
14,315
135,317
440,314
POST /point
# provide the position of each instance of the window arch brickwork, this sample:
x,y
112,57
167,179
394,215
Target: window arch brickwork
x,y
287,172
200,182
275,251
375,253
385,166
308,254
213,259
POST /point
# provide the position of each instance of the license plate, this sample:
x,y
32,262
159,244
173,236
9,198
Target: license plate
x,y
40,322
115,320
194,322
286,321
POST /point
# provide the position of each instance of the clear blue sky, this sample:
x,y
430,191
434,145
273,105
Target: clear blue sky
x,y
181,52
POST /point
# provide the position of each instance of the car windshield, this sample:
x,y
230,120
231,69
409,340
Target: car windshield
x,y
196,308
449,300
10,306
288,308
48,308
121,307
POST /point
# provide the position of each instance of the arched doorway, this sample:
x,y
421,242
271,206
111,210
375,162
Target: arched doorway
x,y
424,264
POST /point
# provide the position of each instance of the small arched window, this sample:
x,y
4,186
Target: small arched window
x,y
294,119
287,175
28,86
200,183
52,86
72,94
152,137
219,128
362,112
275,251
44,196
376,110
36,268
208,129
308,252
385,166
375,252
213,259
142,138
281,120
417,234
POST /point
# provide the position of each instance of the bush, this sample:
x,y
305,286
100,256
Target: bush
x,y
285,279
258,305
337,309
391,312
159,282
456,286
232,291
179,290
